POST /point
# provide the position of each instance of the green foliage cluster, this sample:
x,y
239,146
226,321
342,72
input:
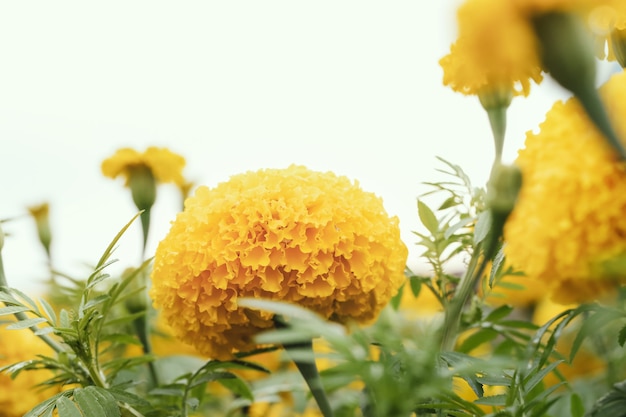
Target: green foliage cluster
x,y
399,366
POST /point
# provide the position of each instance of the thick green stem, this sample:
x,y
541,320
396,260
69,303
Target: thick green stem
x,y
308,369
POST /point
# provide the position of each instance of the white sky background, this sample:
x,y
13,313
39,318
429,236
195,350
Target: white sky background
x,y
348,86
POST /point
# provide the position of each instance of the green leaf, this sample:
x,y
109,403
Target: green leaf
x,y
478,338
88,403
416,285
29,301
106,400
67,408
612,404
493,400
44,406
622,336
5,311
457,226
397,299
109,250
238,387
534,379
496,266
427,217
95,301
49,311
128,398
24,324
499,313
576,406
483,225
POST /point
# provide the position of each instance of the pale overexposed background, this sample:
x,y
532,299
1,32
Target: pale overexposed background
x,y
350,86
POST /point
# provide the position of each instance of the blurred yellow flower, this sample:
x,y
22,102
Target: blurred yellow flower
x,y
568,228
165,165
291,234
19,395
496,50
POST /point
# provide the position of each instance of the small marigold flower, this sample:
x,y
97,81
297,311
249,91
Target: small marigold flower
x,y
19,395
165,165
315,239
568,226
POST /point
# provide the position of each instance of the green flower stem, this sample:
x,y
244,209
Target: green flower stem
x,y
145,228
461,295
308,370
497,120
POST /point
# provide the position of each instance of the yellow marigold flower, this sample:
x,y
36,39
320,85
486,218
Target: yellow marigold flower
x,y
496,50
19,395
165,165
569,222
291,234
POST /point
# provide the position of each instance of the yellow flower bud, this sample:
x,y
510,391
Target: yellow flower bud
x,y
41,214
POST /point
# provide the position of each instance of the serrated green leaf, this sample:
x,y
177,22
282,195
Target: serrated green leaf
x,y
88,403
25,324
106,400
67,408
496,266
128,398
43,406
427,217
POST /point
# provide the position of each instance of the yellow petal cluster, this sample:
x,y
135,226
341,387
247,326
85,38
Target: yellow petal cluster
x,y
311,238
569,223
165,165
19,395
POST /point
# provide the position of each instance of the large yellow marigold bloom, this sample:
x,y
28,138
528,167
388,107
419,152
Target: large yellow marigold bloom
x,y
292,234
165,165
496,50
19,395
569,222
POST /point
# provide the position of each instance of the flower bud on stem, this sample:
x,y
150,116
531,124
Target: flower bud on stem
x,y
567,54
